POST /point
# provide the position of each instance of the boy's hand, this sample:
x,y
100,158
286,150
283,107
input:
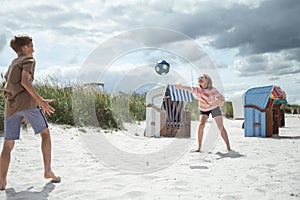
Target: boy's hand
x,y
46,107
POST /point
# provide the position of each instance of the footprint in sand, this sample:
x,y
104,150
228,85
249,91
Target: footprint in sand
x,y
260,192
270,165
198,167
231,197
134,195
252,178
150,177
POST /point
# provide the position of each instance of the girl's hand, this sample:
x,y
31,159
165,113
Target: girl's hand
x,y
219,101
178,87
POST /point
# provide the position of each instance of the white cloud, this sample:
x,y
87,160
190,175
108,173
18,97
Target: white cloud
x,y
61,73
258,39
268,64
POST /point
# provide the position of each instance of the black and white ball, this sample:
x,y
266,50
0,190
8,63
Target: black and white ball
x,y
162,68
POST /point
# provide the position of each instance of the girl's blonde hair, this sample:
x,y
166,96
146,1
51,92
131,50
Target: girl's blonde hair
x,y
208,80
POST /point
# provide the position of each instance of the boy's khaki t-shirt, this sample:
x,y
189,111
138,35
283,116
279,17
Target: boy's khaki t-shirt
x,y
16,96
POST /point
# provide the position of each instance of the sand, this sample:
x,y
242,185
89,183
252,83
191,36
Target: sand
x,y
98,164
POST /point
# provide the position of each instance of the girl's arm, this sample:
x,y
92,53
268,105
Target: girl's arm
x,y
219,99
181,87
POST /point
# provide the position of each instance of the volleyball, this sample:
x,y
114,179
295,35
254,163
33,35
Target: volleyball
x,y
162,68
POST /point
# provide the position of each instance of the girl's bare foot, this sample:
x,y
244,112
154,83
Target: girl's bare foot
x,y
198,150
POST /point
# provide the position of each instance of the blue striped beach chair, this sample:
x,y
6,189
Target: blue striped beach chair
x,y
174,120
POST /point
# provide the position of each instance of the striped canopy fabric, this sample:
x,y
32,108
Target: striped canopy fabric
x,y
180,95
277,93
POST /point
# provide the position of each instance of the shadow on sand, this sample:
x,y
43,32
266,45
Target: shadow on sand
x,y
198,167
230,154
11,194
285,137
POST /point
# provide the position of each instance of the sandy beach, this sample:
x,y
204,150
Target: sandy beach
x,y
99,164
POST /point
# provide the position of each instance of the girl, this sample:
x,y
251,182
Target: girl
x,y
210,100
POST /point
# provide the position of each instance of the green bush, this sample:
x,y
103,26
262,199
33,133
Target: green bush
x,y
227,109
137,107
82,107
194,109
104,113
291,108
78,107
62,102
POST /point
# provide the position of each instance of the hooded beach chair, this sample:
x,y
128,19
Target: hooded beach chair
x,y
166,114
262,111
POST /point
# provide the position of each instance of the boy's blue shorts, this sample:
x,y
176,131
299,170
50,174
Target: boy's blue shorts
x,y
34,116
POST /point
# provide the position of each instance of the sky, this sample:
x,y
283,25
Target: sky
x,y
245,43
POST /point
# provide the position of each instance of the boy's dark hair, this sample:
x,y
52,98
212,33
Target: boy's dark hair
x,y
19,41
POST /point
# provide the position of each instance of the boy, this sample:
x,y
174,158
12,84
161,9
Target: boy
x,y
22,102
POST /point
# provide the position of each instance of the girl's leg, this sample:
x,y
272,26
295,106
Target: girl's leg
x,y
219,121
203,119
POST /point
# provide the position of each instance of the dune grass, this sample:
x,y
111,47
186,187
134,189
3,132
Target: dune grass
x,y
78,106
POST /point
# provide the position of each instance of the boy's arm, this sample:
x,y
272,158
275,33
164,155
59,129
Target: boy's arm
x,y
27,84
4,79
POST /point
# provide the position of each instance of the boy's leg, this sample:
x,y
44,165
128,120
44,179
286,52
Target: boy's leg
x,y
38,122
46,150
219,121
8,146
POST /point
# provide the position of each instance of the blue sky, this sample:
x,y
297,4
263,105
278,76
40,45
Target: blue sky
x,y
251,42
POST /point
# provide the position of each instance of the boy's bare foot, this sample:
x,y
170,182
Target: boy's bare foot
x,y
2,185
55,179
